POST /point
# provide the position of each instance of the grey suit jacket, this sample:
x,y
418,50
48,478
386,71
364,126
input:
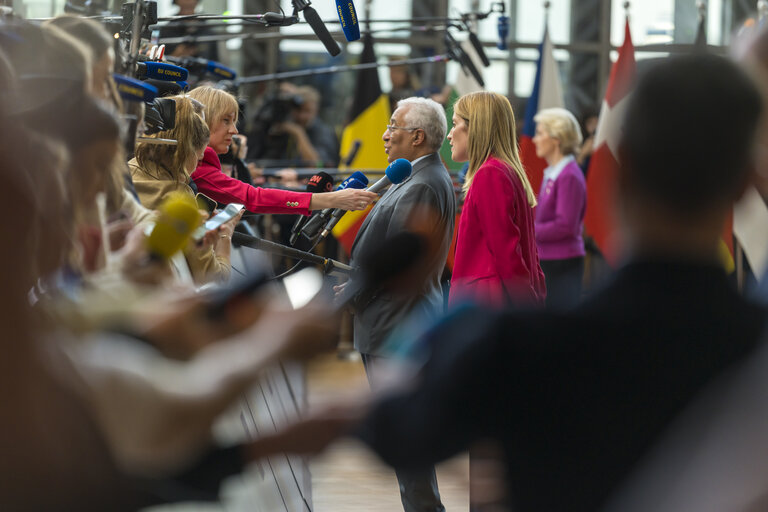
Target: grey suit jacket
x,y
429,185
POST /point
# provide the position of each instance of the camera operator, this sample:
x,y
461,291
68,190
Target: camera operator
x,y
288,130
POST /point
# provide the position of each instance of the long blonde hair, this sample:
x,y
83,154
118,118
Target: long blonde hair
x,y
491,132
190,132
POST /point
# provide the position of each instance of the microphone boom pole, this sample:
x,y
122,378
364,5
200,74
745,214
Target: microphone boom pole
x,y
330,266
339,69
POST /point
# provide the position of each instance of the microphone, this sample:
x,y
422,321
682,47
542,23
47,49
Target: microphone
x,y
478,46
161,71
356,180
131,89
352,152
503,27
167,88
178,218
348,19
396,173
318,27
202,66
457,53
320,182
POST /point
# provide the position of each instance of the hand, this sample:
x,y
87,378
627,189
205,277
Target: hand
x,y
338,290
226,229
118,232
348,199
241,147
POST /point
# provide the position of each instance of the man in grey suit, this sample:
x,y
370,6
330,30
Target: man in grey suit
x,y
416,132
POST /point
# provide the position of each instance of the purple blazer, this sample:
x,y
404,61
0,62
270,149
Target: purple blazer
x,y
560,215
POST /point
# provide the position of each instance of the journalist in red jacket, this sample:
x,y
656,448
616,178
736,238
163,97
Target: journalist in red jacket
x,y
221,112
496,260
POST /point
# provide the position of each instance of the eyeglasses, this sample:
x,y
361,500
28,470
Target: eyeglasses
x,y
391,128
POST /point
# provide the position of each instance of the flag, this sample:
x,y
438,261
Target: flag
x,y
547,93
368,119
600,218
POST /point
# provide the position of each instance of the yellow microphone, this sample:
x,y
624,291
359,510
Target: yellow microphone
x,y
179,217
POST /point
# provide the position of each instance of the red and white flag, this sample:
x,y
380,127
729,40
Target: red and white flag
x,y
600,220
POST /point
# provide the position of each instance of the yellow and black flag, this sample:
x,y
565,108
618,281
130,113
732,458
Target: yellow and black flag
x,y
368,118
362,136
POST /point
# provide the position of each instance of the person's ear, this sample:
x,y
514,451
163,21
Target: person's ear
x,y
418,137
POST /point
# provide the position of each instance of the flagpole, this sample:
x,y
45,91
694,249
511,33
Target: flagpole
x,y
547,5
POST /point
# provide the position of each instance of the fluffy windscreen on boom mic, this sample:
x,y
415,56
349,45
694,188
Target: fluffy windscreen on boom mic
x,y
348,19
318,27
178,218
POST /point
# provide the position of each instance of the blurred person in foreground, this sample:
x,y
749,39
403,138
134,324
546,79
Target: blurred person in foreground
x,y
496,261
562,204
577,398
416,131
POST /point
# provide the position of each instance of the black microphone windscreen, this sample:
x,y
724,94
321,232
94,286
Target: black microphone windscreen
x,y
318,27
478,46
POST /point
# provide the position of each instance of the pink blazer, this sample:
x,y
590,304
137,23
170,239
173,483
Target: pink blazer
x,y
496,261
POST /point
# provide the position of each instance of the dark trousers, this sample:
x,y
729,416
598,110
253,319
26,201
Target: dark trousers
x,y
563,278
418,488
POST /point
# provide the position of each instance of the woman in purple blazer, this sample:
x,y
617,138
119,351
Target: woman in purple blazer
x,y
496,261
562,202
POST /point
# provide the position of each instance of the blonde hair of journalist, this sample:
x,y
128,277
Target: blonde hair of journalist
x,y
491,132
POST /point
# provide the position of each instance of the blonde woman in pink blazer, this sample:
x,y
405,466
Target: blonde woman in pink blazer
x,y
496,261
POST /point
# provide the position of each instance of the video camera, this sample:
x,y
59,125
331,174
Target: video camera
x,y
276,109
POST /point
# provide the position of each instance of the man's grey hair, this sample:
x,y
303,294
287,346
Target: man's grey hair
x,y
428,115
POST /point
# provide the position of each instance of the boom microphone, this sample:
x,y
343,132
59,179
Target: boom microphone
x,y
478,46
397,172
356,180
161,71
503,27
178,218
318,27
458,53
348,19
320,182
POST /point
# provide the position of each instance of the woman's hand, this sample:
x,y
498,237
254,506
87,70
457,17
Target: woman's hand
x,y
347,199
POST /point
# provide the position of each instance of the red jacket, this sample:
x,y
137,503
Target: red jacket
x,y
496,258
218,186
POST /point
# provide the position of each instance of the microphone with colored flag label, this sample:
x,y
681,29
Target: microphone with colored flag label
x,y
161,71
397,172
177,220
310,230
131,89
503,27
203,66
320,182
348,19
